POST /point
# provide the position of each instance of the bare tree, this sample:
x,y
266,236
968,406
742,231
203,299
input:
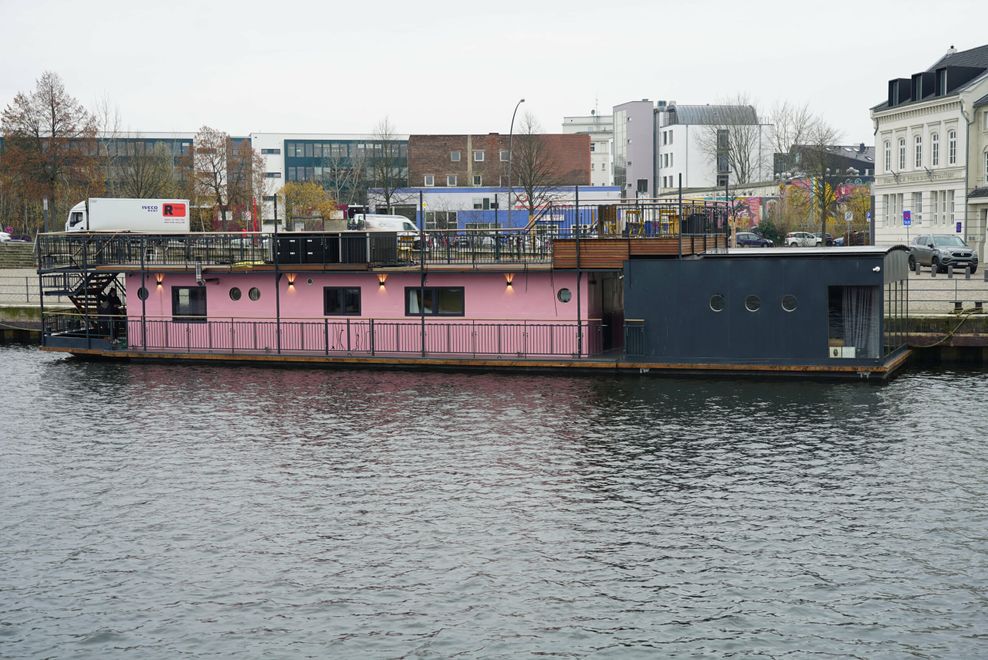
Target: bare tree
x,y
148,173
533,168
793,124
46,134
387,173
731,140
107,120
815,160
345,177
225,174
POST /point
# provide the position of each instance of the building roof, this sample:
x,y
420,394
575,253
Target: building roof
x,y
978,192
982,101
714,115
976,57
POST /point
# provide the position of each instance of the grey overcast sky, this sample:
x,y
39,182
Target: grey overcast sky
x,y
456,67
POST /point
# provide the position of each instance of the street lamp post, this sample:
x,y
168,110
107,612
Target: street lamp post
x,y
511,132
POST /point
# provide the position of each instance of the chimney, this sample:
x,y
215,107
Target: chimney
x,y
951,50
861,148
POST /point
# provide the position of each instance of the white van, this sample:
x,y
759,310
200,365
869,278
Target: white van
x,y
381,222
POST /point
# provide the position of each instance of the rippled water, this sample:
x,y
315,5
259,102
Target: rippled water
x,y
157,510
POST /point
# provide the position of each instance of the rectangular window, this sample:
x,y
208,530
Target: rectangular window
x,y
670,160
272,175
950,206
918,155
951,147
888,157
434,301
504,155
341,301
918,207
902,154
478,180
454,156
429,180
934,150
478,156
665,137
934,201
671,135
271,151
593,147
308,150
450,179
188,304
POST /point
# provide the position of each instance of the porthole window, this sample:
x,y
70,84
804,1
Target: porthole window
x,y
235,293
752,303
142,293
717,302
309,281
789,302
564,295
254,293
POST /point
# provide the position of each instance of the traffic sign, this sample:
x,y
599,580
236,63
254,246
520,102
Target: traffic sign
x,y
867,215
907,218
848,216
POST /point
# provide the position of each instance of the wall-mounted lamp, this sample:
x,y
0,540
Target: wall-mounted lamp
x,y
381,279
159,278
291,280
509,278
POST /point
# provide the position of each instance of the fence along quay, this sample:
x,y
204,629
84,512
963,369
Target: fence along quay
x,y
638,287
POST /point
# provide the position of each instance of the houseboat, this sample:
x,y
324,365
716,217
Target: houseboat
x,y
642,287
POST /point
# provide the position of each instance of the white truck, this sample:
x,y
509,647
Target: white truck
x,y
124,214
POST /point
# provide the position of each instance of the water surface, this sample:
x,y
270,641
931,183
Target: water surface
x,y
162,510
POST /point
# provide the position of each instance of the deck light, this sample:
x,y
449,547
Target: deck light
x,y
509,278
291,280
159,278
381,279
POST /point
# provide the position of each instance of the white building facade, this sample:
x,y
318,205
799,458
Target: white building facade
x,y
931,146
600,128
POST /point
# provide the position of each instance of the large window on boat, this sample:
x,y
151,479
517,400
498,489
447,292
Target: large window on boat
x,y
341,301
854,321
189,304
434,301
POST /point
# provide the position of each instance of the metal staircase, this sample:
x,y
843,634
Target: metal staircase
x,y
84,289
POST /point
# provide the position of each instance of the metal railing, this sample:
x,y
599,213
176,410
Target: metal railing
x,y
371,337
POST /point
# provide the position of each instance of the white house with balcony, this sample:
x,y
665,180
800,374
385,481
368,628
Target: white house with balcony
x,y
931,146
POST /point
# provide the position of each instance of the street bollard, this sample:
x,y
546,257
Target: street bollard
x,y
933,270
967,272
950,272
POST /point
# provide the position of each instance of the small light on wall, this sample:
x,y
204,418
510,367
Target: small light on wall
x,y
291,280
381,279
159,278
509,279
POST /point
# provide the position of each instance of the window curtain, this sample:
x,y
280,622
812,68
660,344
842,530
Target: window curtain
x,y
862,320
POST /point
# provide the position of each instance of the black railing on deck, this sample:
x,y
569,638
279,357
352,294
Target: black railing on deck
x,y
496,338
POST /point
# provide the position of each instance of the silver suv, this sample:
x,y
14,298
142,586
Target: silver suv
x,y
938,251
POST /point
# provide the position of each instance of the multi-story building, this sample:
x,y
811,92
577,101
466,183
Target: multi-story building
x,y
342,163
482,160
653,146
840,158
931,143
600,128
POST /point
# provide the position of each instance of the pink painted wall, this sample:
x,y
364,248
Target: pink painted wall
x,y
233,324
532,296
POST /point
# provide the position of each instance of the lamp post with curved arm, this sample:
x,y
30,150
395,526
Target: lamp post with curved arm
x,y
511,132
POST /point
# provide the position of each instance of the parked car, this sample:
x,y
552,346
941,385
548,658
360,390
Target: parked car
x,y
802,239
749,239
940,251
829,239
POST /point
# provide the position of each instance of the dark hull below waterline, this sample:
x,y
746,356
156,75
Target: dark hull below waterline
x,y
872,372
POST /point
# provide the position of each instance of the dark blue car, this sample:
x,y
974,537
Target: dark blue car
x,y
748,239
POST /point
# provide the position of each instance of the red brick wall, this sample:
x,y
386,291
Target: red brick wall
x,y
430,154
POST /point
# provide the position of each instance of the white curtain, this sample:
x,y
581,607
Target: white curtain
x,y
862,320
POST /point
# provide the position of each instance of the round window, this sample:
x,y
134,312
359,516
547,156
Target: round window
x,y
752,303
142,293
789,302
254,293
309,281
717,302
235,293
564,295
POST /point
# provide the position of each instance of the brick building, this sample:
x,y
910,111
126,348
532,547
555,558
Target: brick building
x,y
482,160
